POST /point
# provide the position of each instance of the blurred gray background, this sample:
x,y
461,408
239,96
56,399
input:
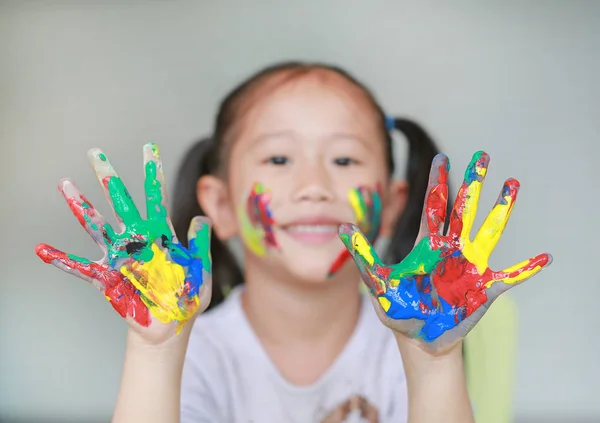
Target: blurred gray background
x,y
518,79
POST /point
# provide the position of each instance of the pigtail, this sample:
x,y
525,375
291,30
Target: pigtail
x,y
199,161
422,150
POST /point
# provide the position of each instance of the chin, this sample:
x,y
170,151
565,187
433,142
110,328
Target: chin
x,y
311,265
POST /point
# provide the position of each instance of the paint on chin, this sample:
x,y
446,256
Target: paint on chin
x,y
366,204
257,221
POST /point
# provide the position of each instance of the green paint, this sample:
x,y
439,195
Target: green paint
x,y
136,228
102,157
79,259
471,170
154,199
420,256
420,261
203,247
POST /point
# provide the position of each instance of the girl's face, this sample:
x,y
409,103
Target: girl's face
x,y
297,154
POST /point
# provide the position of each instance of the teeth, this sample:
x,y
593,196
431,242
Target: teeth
x,y
319,229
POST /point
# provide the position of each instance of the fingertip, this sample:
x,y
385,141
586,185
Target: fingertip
x,y
549,259
482,156
43,251
39,248
441,160
96,154
151,151
347,229
512,182
201,221
198,224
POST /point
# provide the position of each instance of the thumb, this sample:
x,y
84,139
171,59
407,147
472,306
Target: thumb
x,y
365,257
199,235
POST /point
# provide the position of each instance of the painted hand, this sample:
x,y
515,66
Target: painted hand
x,y
146,274
444,286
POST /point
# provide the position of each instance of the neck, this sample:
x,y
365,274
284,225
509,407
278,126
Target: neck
x,y
285,311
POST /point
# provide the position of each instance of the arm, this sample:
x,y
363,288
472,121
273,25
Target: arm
x,y
435,295
438,378
151,380
151,279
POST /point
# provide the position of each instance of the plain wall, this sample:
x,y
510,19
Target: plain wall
x,y
517,79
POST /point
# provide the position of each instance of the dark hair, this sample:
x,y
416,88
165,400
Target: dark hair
x,y
208,156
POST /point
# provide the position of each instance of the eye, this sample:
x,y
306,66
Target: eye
x,y
278,160
344,161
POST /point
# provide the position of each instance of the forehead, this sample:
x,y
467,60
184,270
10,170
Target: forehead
x,y
314,101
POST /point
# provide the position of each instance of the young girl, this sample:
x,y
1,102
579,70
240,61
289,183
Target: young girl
x,y
298,150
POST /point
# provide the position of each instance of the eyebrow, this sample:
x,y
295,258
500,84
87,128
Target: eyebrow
x,y
270,135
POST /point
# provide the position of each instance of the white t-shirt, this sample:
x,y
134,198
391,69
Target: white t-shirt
x,y
228,376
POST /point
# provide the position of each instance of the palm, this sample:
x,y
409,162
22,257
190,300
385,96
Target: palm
x,y
444,286
146,274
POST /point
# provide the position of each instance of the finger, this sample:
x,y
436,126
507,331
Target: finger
x,y
82,268
491,230
374,273
436,198
465,206
154,184
91,220
517,274
197,259
115,191
199,235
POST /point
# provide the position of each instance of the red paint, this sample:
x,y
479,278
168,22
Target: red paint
x,y
339,262
459,284
540,260
122,295
79,211
260,214
437,200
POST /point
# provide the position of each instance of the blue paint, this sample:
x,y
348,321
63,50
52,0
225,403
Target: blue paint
x,y
390,123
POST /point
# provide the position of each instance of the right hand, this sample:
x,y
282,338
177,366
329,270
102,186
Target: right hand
x,y
149,278
443,287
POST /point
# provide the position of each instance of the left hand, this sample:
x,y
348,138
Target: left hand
x,y
438,293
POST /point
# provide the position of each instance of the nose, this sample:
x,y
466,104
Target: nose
x,y
313,183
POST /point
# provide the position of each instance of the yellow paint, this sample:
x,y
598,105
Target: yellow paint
x,y
479,251
526,274
252,236
394,283
470,206
363,247
385,303
354,199
160,283
155,151
490,232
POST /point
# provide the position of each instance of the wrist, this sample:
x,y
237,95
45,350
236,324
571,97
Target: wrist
x,y
435,375
422,366
169,349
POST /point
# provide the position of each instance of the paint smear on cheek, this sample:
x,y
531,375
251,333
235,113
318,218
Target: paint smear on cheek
x,y
366,204
257,221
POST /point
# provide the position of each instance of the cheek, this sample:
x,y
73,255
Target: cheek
x,y
366,204
256,220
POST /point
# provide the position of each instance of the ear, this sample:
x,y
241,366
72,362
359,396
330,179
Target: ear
x,y
213,197
394,205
